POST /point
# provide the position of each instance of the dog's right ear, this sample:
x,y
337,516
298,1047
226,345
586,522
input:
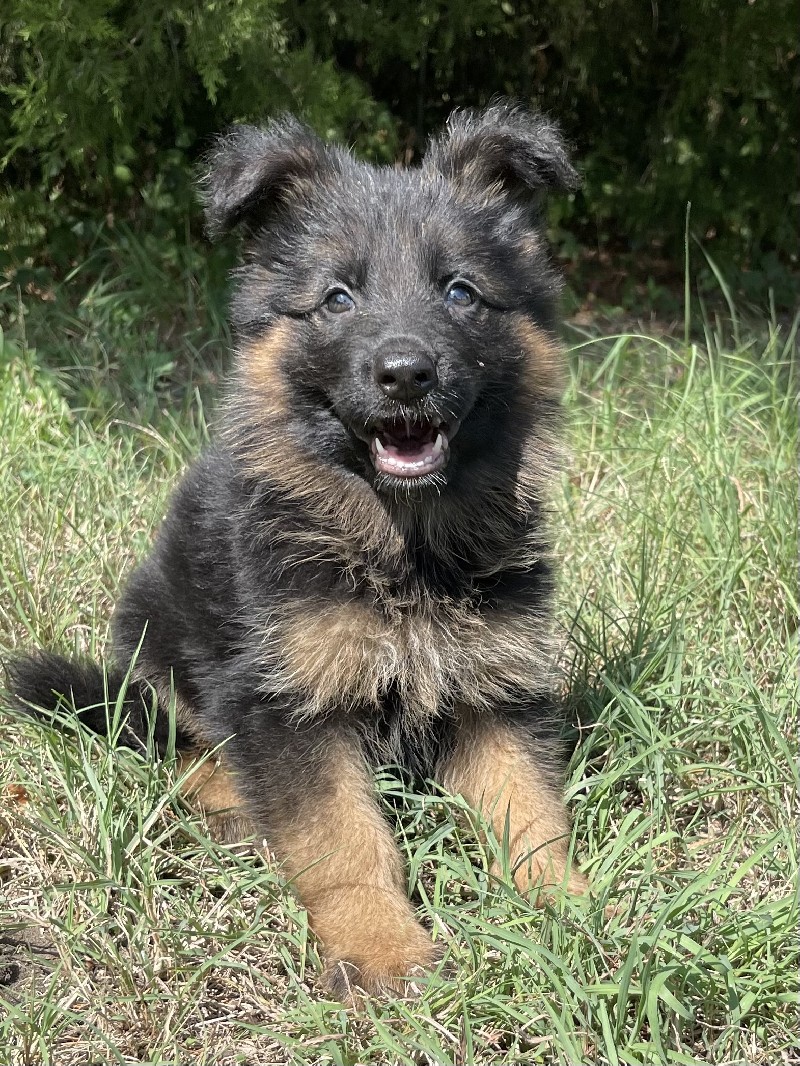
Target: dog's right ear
x,y
250,170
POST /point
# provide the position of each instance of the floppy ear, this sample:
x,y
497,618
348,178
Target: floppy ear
x,y
505,144
251,169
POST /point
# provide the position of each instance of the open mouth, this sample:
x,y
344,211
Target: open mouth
x,y
409,449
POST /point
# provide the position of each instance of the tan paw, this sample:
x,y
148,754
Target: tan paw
x,y
387,962
544,874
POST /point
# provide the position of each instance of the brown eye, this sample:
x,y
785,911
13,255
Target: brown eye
x,y
338,301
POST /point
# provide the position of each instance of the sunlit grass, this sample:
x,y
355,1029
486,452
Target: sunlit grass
x,y
130,936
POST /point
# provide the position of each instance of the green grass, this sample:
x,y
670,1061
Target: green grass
x,y
131,937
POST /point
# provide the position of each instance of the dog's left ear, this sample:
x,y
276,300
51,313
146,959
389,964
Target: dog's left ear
x,y
503,145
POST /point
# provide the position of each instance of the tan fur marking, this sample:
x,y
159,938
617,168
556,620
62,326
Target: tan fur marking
x,y
211,788
496,775
262,371
544,362
349,874
352,518
339,654
437,653
208,783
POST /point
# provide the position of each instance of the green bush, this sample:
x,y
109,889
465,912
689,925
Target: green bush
x,y
667,103
106,106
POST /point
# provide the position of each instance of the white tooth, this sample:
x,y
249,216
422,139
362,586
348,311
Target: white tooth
x,y
438,445
379,448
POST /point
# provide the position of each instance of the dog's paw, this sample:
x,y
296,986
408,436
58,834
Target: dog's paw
x,y
544,874
389,963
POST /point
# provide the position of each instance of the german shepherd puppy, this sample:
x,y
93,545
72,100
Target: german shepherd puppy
x,y
358,571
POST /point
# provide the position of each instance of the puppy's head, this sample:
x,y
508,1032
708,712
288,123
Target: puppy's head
x,y
395,322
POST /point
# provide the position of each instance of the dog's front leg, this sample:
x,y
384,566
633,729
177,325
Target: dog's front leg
x,y
499,769
311,795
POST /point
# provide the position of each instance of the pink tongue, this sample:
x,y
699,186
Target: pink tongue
x,y
411,451
405,463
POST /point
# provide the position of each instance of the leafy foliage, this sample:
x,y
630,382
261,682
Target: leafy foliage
x,y
106,107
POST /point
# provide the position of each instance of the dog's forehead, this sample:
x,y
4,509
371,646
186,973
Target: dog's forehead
x,y
397,219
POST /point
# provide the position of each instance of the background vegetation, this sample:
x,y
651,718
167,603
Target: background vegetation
x,y
106,106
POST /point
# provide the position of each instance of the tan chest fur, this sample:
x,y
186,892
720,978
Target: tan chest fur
x,y
434,654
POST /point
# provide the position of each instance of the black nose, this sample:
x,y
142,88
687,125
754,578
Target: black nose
x,y
404,372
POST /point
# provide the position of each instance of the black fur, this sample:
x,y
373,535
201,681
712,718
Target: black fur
x,y
432,592
83,688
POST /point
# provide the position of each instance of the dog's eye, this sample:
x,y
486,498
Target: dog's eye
x,y
459,295
338,301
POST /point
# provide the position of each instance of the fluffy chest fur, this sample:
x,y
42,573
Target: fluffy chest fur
x,y
432,653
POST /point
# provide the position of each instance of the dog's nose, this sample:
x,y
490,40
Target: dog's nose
x,y
405,372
